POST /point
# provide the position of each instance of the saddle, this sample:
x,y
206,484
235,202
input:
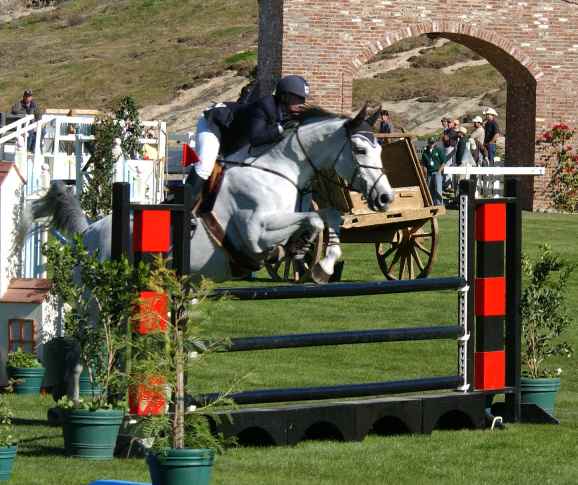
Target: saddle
x,y
240,264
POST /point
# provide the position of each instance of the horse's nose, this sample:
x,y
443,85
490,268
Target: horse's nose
x,y
383,200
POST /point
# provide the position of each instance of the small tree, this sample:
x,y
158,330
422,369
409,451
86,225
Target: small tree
x,y
543,312
99,296
175,353
125,124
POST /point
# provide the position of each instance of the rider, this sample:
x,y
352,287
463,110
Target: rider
x,y
226,126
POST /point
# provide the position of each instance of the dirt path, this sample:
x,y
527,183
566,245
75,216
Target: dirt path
x,y
422,117
182,112
400,61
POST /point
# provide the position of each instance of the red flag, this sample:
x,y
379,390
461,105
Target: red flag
x,y
189,156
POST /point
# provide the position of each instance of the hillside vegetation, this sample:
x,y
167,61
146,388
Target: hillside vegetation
x,y
171,56
86,52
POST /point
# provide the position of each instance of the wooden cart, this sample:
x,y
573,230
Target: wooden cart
x,y
405,237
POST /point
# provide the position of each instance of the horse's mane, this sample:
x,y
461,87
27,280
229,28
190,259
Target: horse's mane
x,y
314,113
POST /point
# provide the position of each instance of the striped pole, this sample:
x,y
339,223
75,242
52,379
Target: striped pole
x,y
490,295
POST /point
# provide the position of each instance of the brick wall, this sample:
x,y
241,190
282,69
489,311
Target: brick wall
x,y
534,44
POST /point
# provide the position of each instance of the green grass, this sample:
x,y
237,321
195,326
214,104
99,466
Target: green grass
x,y
87,52
410,83
522,454
444,56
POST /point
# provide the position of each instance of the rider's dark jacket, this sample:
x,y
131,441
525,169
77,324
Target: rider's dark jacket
x,y
264,118
237,124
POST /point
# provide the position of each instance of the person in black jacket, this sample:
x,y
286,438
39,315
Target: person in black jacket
x,y
226,127
27,106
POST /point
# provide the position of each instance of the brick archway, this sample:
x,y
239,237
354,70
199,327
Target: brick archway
x,y
519,71
532,43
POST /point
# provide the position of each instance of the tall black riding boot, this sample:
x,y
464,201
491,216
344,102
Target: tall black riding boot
x,y
196,182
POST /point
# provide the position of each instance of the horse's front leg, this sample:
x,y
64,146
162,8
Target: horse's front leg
x,y
324,269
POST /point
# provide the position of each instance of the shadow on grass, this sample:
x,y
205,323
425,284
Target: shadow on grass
x,y
39,451
39,438
30,422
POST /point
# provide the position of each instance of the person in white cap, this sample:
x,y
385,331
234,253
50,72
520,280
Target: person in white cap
x,y
461,144
477,138
491,133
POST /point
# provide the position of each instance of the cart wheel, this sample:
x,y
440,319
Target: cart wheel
x,y
411,252
287,270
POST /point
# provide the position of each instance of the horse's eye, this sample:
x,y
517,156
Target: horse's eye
x,y
359,151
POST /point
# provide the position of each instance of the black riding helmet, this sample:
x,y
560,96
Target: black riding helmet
x,y
292,84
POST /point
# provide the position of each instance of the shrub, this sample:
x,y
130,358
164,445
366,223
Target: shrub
x,y
22,360
563,159
543,312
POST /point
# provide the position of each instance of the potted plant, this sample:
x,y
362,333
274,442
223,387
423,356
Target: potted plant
x,y
544,321
183,446
99,296
25,371
7,441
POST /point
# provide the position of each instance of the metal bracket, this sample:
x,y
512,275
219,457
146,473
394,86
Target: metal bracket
x,y
464,289
464,338
497,421
464,388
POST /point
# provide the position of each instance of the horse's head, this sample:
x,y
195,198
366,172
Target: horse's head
x,y
361,166
328,142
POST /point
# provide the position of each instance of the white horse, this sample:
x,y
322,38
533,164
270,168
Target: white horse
x,y
260,202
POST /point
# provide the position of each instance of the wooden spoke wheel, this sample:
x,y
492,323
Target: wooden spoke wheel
x,y
411,252
287,270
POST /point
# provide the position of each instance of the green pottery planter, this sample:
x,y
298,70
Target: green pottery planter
x,y
91,434
181,466
541,392
31,379
7,456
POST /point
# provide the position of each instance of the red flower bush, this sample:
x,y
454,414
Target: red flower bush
x,y
561,157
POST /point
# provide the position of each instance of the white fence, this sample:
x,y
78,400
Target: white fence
x,y
61,151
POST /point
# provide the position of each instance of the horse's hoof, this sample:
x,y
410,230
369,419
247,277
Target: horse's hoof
x,y
319,275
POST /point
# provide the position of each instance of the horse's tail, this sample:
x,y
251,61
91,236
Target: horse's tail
x,y
62,207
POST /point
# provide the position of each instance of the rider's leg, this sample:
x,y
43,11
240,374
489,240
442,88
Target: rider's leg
x,y
207,145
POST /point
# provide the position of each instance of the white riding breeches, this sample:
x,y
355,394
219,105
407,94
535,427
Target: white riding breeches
x,y
207,145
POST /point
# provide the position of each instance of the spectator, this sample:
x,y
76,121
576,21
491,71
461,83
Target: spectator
x,y
450,138
433,160
478,136
461,142
491,133
27,106
385,125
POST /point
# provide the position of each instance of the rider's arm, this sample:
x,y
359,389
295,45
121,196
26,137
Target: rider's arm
x,y
262,130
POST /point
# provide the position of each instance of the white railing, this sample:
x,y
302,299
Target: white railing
x,y
62,152
17,128
490,180
14,136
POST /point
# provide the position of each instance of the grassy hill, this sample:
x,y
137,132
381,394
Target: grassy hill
x,y
86,52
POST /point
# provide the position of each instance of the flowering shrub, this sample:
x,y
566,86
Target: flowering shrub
x,y
544,316
563,158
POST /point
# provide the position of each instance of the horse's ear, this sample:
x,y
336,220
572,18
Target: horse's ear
x,y
353,124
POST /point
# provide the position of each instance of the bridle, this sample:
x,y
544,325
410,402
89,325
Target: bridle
x,y
357,166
